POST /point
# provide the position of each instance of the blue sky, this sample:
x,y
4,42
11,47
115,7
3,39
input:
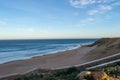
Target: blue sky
x,y
31,19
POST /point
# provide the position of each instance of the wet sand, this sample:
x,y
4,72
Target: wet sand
x,y
50,61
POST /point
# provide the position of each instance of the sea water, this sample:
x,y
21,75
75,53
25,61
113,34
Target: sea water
x,y
11,50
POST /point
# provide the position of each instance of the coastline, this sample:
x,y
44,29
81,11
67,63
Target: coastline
x,y
40,55
49,52
101,49
49,61
26,49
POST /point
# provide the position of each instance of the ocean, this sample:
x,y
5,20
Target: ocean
x,y
11,50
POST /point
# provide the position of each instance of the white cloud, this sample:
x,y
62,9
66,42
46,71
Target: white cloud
x,y
86,22
95,6
105,7
116,3
92,12
102,1
81,3
100,9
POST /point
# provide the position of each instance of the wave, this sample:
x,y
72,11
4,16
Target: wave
x,y
33,49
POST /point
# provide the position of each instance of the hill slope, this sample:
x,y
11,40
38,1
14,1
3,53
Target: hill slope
x,y
104,47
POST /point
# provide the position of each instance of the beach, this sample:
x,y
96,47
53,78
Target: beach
x,y
69,58
50,61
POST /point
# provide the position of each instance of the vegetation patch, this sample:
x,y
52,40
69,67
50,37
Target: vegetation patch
x,y
71,73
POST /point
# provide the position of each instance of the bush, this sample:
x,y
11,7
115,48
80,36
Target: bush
x,y
49,78
112,71
71,73
67,71
30,77
71,70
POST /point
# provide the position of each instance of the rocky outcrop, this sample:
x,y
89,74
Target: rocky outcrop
x,y
99,75
93,75
83,74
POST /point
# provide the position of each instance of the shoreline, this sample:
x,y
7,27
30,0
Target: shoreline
x,y
47,54
40,55
49,61
22,53
86,54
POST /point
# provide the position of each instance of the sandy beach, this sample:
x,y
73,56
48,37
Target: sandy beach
x,y
50,61
97,50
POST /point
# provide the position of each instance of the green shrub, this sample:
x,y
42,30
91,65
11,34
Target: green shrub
x,y
30,77
66,72
71,76
71,70
112,71
71,73
49,78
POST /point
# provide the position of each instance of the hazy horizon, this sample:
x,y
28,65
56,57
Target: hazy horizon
x,y
59,19
49,38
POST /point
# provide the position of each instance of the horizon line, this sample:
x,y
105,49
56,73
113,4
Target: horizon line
x,y
48,38
55,38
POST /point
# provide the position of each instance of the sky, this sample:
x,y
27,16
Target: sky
x,y
47,19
